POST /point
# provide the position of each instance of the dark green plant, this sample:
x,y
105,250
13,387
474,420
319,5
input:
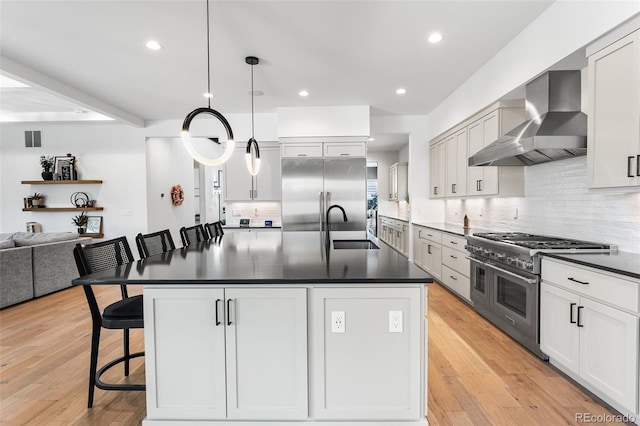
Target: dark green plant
x,y
46,163
80,220
37,196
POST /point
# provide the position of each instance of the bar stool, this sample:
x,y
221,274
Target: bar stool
x,y
123,314
192,234
154,243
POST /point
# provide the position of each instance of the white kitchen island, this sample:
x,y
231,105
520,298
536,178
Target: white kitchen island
x,y
272,328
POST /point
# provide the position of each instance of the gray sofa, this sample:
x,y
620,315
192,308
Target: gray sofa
x,y
32,265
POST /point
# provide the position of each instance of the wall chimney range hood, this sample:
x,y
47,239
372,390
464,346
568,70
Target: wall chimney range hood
x,y
557,128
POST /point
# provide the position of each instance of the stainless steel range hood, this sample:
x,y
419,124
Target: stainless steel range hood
x,y
557,128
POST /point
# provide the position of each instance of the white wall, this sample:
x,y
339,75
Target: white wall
x,y
168,164
114,153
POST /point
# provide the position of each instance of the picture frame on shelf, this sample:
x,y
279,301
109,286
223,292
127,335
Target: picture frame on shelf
x,y
63,168
94,225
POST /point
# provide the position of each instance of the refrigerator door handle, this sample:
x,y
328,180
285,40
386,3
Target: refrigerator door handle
x,y
321,204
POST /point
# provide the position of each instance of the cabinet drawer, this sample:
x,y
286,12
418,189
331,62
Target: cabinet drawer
x,y
430,235
610,289
453,241
456,282
344,150
301,150
456,260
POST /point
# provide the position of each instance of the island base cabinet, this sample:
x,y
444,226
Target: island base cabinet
x,y
364,368
234,353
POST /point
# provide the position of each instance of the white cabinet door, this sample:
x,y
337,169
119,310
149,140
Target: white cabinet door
x,y
417,247
437,160
456,165
559,334
483,180
301,150
345,149
185,353
609,351
268,183
266,341
614,114
433,259
237,179
368,371
393,183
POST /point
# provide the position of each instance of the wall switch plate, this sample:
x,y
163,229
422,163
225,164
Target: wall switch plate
x,y
395,321
337,322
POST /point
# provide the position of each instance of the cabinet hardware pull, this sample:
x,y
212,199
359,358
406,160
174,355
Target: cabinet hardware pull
x,y
302,155
571,320
453,278
577,281
453,188
579,317
429,248
419,234
629,161
452,256
638,165
343,153
453,242
229,311
255,193
435,190
217,318
511,320
480,185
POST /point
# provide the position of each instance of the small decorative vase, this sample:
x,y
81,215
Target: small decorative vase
x,y
38,202
47,175
81,230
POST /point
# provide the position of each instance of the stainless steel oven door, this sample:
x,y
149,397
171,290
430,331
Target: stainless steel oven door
x,y
480,285
514,301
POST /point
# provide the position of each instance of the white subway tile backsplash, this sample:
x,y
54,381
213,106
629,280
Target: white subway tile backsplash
x,y
558,202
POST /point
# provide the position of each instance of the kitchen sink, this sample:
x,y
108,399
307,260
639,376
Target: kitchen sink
x,y
354,244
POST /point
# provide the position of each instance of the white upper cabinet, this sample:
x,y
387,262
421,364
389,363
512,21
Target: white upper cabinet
x,y
456,166
613,150
398,181
239,185
437,170
450,174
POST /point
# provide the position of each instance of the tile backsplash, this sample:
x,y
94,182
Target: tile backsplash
x,y
258,212
557,202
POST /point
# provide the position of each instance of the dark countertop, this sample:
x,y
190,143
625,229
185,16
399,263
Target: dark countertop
x,y
265,258
623,263
250,227
450,228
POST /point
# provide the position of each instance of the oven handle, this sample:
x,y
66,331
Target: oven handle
x,y
492,266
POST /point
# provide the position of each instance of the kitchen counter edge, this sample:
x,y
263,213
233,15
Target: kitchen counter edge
x,y
622,263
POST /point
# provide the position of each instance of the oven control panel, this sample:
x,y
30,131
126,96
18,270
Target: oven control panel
x,y
516,260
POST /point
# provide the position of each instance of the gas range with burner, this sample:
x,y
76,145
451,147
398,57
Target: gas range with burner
x,y
505,278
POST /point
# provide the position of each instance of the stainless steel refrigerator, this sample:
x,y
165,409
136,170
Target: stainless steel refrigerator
x,y
311,185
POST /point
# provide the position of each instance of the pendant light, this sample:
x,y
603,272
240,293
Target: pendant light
x,y
253,151
186,136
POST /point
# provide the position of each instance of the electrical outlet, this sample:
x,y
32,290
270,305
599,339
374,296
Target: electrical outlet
x,y
395,321
337,322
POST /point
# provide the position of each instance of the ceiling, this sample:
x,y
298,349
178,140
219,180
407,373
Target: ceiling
x,y
342,52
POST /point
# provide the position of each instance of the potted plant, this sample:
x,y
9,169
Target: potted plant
x,y
47,164
37,200
81,222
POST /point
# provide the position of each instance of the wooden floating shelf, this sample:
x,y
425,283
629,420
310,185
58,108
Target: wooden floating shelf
x,y
61,182
64,209
98,235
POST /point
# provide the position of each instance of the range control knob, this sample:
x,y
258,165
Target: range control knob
x,y
528,264
501,256
512,260
486,252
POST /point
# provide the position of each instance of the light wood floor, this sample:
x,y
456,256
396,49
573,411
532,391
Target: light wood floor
x,y
477,375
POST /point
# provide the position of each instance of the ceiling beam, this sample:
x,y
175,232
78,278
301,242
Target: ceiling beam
x,y
35,78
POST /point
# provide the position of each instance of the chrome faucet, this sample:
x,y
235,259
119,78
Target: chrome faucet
x,y
344,216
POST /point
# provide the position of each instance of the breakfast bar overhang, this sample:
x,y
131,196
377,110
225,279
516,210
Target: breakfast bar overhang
x,y
263,328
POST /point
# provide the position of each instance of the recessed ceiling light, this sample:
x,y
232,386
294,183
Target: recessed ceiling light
x,y
372,139
303,93
401,91
435,37
153,45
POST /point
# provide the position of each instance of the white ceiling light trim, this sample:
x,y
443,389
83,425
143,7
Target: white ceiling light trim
x,y
153,45
303,93
401,91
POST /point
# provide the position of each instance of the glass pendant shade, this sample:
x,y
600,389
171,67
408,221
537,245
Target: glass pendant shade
x,y
188,144
253,157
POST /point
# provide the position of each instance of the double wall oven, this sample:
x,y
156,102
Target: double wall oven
x,y
505,279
